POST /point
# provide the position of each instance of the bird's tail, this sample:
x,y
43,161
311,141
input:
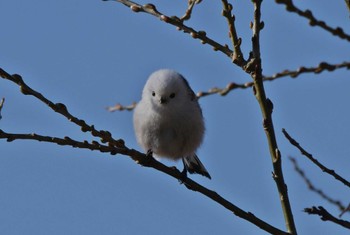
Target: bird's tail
x,y
193,165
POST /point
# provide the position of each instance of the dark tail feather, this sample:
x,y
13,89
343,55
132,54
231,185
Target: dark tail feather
x,y
193,165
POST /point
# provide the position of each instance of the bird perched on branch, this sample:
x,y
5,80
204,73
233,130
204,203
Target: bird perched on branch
x,y
168,120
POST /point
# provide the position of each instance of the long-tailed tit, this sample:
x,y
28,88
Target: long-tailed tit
x,y
168,120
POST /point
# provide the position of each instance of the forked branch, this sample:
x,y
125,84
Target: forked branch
x,y
326,216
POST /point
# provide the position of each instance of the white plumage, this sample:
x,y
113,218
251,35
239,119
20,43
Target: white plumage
x,y
168,120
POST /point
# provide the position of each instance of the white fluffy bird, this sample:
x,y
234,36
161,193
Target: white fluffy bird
x,y
168,120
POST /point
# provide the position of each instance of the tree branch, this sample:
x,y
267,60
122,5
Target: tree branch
x,y
61,109
315,161
237,56
118,147
326,216
119,107
94,145
313,21
175,21
323,66
266,106
312,188
347,209
189,9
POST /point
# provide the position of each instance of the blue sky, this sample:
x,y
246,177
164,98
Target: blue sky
x,y
93,54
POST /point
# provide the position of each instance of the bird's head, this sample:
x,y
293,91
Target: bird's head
x,y
167,89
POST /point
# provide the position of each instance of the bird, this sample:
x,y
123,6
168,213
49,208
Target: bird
x,y
168,120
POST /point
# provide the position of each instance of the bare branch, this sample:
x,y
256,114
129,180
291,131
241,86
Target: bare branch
x,y
224,91
310,185
173,20
313,21
189,9
119,107
118,146
61,109
347,209
315,161
237,56
147,161
266,107
94,145
323,66
326,216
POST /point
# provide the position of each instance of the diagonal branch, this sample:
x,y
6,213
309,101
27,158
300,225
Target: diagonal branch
x,y
147,161
313,21
175,21
346,209
312,188
61,109
326,216
315,161
118,147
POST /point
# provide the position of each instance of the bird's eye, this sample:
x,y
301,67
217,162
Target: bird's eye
x,y
153,93
172,95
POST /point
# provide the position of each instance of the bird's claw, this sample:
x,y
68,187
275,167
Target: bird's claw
x,y
183,176
146,161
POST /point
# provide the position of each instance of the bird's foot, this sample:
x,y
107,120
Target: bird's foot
x,y
146,161
183,176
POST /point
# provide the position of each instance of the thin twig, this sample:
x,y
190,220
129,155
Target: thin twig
x,y
94,145
118,146
237,56
266,107
61,109
312,188
201,35
119,107
326,216
347,209
323,66
313,21
188,13
224,91
315,161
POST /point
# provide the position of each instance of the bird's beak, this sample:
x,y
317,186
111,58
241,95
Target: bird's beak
x,y
163,100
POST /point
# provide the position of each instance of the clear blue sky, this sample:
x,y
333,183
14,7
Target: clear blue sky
x,y
92,54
